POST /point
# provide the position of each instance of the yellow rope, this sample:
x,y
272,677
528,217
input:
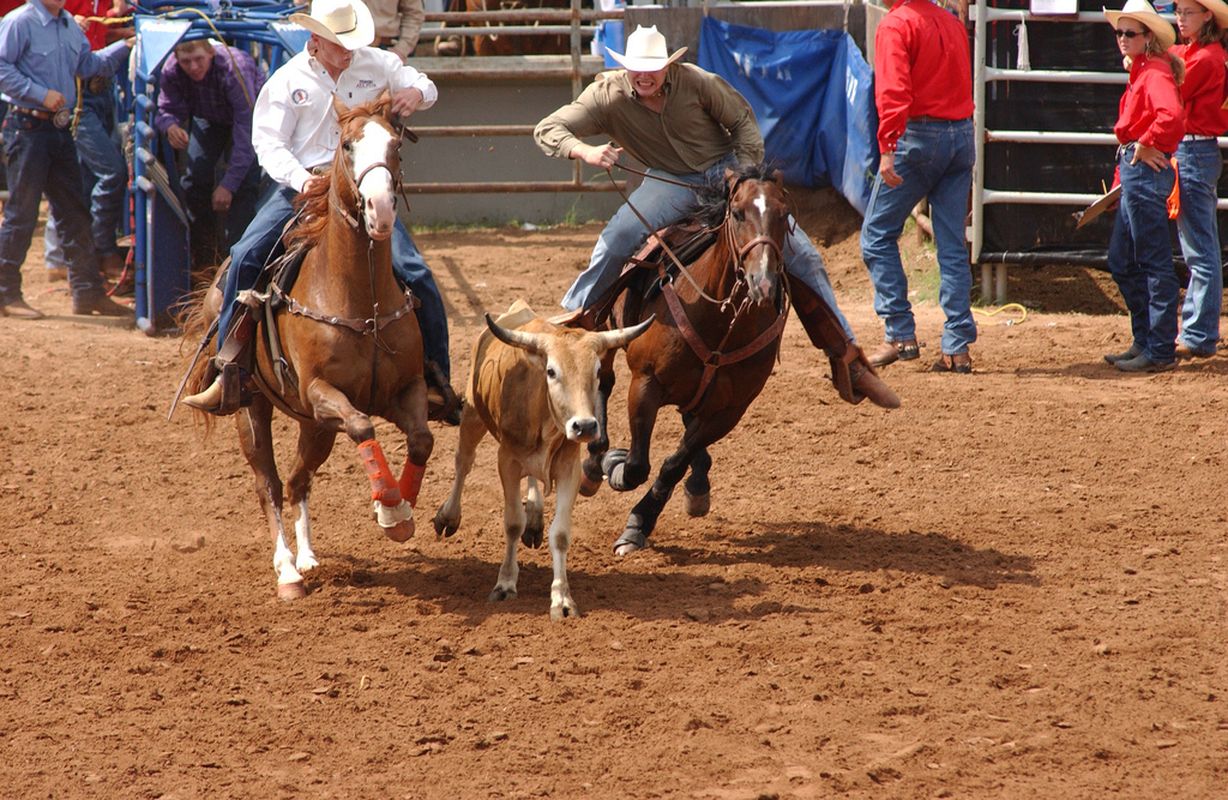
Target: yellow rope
x,y
109,20
1023,312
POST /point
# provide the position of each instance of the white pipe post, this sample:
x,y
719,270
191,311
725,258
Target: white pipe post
x,y
978,116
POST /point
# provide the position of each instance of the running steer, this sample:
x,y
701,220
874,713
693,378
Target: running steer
x,y
533,386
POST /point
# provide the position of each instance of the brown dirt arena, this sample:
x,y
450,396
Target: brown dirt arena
x,y
1014,586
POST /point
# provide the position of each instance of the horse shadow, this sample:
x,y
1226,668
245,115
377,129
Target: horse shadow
x,y
862,550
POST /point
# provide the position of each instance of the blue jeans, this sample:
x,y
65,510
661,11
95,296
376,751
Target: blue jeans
x,y
935,160
663,204
42,159
208,143
260,243
1198,168
1141,256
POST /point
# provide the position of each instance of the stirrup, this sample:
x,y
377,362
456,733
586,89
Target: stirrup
x,y
225,395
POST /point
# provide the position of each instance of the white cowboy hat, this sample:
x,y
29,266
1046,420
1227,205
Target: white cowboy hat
x,y
344,22
646,51
1141,12
1219,9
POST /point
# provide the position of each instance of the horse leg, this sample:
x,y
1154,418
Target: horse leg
x,y
255,427
698,489
409,415
472,429
314,445
334,410
561,604
699,433
592,474
535,522
513,526
627,469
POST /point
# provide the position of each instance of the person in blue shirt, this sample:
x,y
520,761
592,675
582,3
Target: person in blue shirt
x,y
42,53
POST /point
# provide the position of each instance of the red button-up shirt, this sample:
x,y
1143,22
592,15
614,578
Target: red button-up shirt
x,y
95,32
1203,89
1150,111
922,68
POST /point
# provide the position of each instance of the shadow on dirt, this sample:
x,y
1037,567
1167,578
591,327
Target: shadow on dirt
x,y
654,586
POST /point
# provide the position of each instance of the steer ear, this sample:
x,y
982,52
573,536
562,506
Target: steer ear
x,y
521,339
620,337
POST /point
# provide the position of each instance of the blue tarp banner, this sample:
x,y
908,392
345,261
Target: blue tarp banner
x,y
813,96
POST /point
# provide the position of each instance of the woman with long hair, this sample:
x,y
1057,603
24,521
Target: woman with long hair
x,y
1150,124
1201,25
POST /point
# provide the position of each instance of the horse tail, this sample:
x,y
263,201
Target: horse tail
x,y
195,321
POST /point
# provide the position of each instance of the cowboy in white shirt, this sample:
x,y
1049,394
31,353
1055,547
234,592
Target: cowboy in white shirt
x,y
295,129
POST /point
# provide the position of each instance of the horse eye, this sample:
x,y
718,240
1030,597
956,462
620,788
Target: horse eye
x,y
739,214
347,146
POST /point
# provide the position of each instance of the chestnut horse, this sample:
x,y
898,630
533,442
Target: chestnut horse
x,y
710,351
351,342
495,45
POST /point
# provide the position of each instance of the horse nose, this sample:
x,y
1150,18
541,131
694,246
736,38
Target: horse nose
x,y
583,430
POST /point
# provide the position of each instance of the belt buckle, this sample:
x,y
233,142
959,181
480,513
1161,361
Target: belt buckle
x,y
62,118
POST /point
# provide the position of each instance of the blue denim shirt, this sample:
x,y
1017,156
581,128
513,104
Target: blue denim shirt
x,y
39,52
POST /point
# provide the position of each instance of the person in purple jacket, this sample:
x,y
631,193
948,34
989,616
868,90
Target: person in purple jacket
x,y
205,108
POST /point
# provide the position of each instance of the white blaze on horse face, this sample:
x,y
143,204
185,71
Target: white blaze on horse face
x,y
375,191
759,275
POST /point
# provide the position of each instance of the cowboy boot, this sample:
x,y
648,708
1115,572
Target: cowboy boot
x,y
228,391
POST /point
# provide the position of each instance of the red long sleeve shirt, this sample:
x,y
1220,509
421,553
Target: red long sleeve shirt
x,y
1150,111
922,68
1203,90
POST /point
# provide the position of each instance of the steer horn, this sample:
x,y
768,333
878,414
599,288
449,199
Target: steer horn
x,y
521,339
620,337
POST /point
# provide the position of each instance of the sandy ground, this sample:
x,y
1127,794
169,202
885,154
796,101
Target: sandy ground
x,y
1014,586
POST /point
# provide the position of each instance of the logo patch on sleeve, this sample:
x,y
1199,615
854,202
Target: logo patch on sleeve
x,y
299,97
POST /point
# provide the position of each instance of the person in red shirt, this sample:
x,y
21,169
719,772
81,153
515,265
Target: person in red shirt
x,y
923,91
1150,124
1201,24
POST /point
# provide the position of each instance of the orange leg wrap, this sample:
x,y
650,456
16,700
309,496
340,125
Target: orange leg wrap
x,y
382,487
411,482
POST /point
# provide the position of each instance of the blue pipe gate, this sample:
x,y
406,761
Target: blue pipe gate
x,y
160,225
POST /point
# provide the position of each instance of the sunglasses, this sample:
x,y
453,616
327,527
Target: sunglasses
x,y
1128,34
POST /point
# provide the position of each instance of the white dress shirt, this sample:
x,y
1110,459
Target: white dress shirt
x,y
294,125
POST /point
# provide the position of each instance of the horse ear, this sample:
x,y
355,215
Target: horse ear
x,y
383,105
776,176
731,178
341,108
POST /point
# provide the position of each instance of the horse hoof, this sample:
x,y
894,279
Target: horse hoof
x,y
612,458
588,487
500,593
698,505
632,539
287,592
401,532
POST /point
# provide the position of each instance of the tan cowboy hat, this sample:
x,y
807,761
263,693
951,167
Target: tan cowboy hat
x,y
344,22
1141,12
646,51
1219,9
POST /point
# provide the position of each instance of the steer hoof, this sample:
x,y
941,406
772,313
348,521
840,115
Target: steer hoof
x,y
532,536
286,592
698,505
561,612
443,526
501,593
401,532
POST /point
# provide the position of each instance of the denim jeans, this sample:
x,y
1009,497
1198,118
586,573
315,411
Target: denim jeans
x,y
1198,168
663,204
101,155
42,159
208,143
260,243
1141,256
935,160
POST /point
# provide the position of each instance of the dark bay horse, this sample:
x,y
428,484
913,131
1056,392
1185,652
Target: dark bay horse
x,y
710,351
350,339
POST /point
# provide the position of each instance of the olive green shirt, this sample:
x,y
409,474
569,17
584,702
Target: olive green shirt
x,y
704,119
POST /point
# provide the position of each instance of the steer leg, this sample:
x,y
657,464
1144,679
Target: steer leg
x,y
513,525
699,433
561,604
535,522
472,429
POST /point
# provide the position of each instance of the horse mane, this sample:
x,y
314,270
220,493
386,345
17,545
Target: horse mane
x,y
312,202
714,195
